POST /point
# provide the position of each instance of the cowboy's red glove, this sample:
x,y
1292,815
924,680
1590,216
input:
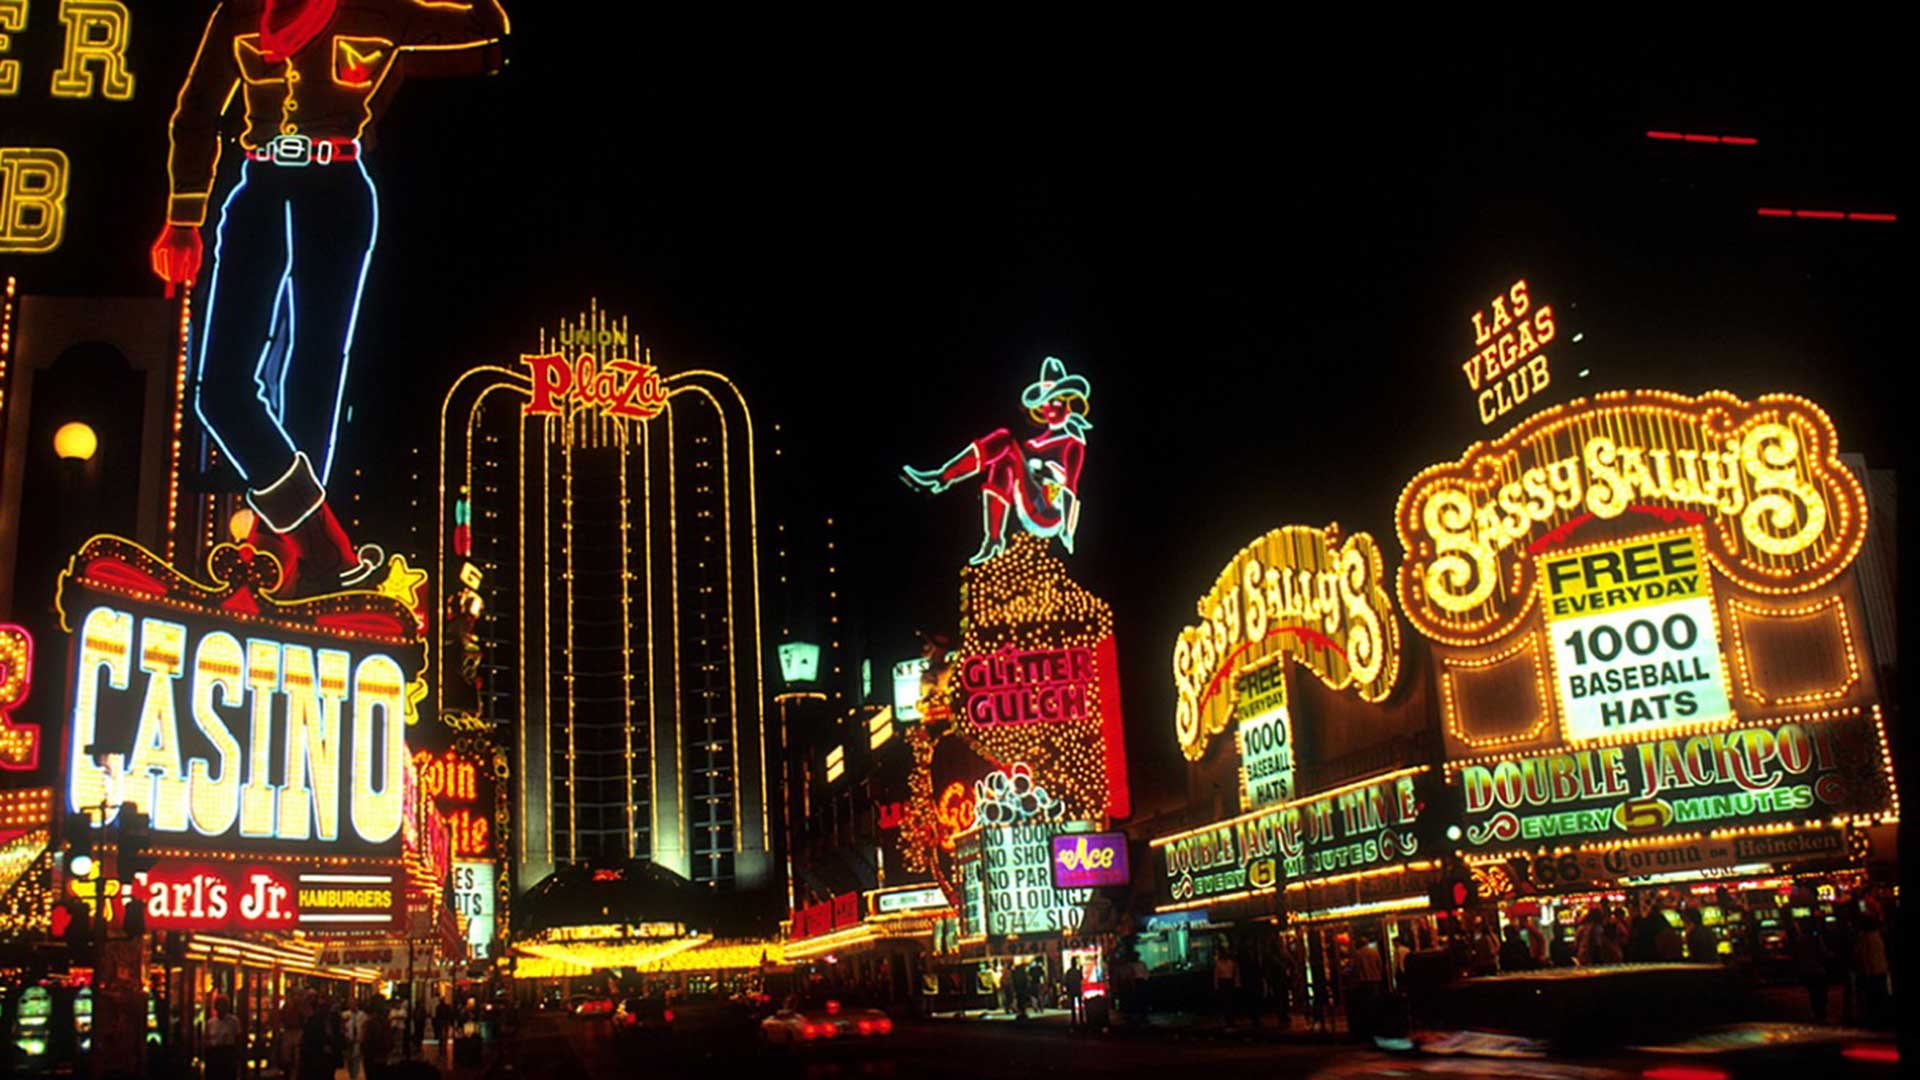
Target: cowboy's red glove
x,y
176,256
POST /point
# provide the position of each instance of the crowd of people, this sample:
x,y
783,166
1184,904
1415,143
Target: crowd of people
x,y
313,1037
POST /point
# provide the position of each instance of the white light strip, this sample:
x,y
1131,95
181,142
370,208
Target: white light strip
x,y
347,879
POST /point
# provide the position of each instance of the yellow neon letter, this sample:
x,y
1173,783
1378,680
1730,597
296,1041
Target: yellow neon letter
x,y
155,783
106,641
13,16
313,743
33,200
215,803
378,684
96,31
263,681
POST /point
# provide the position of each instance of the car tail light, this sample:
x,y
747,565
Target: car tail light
x,y
669,1016
833,1008
883,1025
866,1027
829,1030
806,1031
1685,1072
1878,1053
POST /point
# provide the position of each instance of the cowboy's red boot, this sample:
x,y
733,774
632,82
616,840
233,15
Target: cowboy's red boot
x,y
284,549
326,555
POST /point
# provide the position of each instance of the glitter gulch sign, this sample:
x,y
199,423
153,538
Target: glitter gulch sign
x,y
1027,686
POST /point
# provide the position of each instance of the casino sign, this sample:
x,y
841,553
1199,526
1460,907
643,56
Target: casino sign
x,y
1646,627
265,739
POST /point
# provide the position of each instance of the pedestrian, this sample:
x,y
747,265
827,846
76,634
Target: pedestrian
x,y
1514,955
1668,944
1253,984
1588,937
1226,982
316,1043
1870,973
376,1037
443,1024
1560,952
1486,950
1285,973
353,1028
1368,976
221,1036
291,1021
1702,947
1643,935
1809,965
1076,1005
1401,950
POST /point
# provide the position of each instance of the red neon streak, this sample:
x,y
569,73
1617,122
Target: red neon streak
x,y
1834,215
1828,215
1883,1053
1770,211
1684,1072
113,572
1560,533
1872,217
1730,140
1314,637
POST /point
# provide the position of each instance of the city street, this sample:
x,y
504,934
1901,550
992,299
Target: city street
x,y
536,543
556,1046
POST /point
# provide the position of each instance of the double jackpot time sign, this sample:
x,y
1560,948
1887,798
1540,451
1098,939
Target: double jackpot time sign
x,y
248,729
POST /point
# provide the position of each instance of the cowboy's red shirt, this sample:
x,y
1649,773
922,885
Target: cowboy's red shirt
x,y
328,89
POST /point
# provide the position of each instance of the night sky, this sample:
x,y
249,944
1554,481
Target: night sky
x,y
1263,252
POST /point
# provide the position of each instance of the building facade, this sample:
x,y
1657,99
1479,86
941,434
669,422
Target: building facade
x,y
604,517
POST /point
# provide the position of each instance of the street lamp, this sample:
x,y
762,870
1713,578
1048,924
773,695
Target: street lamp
x,y
75,441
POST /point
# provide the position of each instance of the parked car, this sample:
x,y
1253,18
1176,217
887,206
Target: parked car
x,y
1618,1022
822,1019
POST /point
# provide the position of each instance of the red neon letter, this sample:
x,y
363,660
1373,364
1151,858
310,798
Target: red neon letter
x,y
551,376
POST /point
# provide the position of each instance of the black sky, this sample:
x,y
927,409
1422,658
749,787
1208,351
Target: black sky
x,y
1263,251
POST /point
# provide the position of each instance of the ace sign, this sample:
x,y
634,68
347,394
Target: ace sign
x,y
1636,645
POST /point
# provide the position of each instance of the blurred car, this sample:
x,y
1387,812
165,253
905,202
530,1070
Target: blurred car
x,y
712,1013
589,1007
819,1020
638,1016
1618,1022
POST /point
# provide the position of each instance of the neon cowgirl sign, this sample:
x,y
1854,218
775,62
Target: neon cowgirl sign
x,y
1027,686
294,241
1037,478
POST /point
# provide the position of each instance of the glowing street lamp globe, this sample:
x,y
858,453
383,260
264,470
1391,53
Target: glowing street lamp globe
x,y
75,441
